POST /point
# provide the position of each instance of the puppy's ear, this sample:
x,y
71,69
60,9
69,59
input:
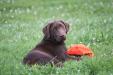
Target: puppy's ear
x,y
46,30
66,25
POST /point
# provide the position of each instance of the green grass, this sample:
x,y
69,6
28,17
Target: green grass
x,y
91,23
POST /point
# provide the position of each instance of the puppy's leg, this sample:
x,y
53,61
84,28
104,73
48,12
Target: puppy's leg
x,y
55,62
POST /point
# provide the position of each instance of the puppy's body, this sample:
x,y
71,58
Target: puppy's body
x,y
52,48
55,49
46,52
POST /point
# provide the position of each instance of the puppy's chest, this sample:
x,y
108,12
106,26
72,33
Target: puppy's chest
x,y
54,50
57,50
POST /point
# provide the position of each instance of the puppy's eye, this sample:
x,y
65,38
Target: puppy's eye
x,y
56,28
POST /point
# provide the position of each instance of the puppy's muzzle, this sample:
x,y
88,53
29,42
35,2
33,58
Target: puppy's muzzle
x,y
63,37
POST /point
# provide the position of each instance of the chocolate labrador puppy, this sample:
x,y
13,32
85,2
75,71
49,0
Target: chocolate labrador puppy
x,y
52,47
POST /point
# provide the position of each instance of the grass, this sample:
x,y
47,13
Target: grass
x,y
91,23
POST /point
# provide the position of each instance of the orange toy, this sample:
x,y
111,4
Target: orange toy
x,y
80,50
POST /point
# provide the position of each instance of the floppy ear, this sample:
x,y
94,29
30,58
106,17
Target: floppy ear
x,y
66,25
46,30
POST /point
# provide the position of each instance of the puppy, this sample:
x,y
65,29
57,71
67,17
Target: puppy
x,y
52,47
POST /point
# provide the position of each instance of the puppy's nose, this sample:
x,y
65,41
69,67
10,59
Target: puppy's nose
x,y
63,37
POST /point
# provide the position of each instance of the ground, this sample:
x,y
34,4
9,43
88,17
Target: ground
x,y
91,23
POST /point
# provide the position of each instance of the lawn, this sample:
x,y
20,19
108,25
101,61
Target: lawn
x,y
91,23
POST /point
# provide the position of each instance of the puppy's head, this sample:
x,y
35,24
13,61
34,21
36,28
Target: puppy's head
x,y
56,30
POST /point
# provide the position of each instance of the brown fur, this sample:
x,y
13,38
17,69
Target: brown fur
x,y
52,47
